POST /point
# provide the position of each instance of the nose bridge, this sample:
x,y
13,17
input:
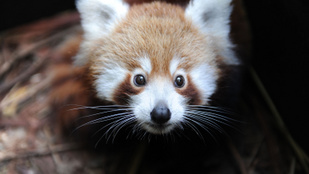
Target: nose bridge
x,y
161,105
162,89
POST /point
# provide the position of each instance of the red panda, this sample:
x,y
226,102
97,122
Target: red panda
x,y
154,66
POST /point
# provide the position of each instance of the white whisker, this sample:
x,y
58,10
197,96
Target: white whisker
x,y
112,125
195,129
208,122
202,126
211,109
101,113
105,107
120,126
212,116
102,119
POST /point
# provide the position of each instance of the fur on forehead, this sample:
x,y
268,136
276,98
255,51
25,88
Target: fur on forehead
x,y
157,38
161,30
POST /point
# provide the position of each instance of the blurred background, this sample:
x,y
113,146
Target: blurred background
x,y
280,49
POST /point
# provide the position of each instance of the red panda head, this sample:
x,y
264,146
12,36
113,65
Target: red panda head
x,y
156,58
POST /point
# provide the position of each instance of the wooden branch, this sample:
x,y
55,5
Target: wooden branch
x,y
23,77
33,47
298,151
239,160
138,157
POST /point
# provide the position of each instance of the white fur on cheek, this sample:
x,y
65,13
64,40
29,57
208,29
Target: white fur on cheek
x,y
205,79
110,78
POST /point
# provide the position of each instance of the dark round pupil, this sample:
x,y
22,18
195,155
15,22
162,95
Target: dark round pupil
x,y
140,80
179,81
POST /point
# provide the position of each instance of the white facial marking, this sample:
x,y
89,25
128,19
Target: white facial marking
x,y
159,89
145,64
162,89
204,78
174,65
110,78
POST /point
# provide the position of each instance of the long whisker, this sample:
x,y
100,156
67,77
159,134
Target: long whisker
x,y
136,131
120,126
101,113
209,115
213,117
105,107
208,122
193,127
114,117
114,124
211,109
202,126
105,134
101,120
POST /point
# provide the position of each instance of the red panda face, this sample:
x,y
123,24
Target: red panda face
x,y
159,102
170,96
154,58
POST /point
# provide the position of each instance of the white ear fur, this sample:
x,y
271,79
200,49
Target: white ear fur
x,y
98,18
212,17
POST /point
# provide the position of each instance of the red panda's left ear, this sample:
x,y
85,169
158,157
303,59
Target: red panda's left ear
x,y
212,17
98,18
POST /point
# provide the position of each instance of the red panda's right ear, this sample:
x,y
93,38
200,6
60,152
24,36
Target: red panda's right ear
x,y
98,18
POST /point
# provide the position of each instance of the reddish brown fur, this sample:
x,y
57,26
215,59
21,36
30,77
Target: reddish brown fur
x,y
124,91
71,86
191,92
68,88
158,31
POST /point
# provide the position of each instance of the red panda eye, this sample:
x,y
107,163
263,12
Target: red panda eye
x,y
179,81
139,80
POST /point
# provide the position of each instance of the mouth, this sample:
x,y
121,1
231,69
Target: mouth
x,y
158,128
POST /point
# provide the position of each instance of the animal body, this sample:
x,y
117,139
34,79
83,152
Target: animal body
x,y
155,67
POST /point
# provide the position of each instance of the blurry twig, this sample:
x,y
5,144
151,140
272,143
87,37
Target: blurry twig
x,y
138,157
34,46
21,78
300,154
239,160
254,157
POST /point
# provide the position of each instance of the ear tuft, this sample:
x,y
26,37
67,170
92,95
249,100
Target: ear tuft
x,y
212,17
100,16
98,19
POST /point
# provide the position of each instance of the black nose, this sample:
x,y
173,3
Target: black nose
x,y
160,114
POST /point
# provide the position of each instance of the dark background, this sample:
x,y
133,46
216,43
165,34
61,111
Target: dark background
x,y
280,49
